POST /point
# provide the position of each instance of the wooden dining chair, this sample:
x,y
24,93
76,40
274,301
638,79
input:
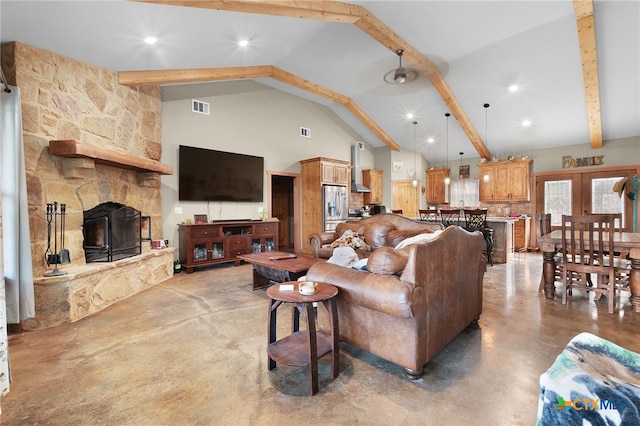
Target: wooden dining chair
x,y
450,217
587,248
398,211
476,220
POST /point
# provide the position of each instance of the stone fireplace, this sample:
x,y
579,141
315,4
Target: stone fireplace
x,y
88,141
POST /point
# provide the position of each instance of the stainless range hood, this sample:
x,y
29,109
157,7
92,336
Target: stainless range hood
x,y
356,172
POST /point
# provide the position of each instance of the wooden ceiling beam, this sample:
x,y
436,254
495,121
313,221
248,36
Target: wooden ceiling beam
x,y
330,11
588,53
334,11
140,78
192,75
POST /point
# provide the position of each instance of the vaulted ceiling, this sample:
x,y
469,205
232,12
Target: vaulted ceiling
x,y
576,63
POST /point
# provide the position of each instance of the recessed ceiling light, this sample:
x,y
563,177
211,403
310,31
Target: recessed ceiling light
x,y
526,123
150,40
243,43
430,140
409,115
513,88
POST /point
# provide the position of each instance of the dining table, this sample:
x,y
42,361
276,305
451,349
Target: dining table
x,y
622,242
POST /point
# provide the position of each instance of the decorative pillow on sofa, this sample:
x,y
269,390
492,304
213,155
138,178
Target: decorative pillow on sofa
x,y
397,235
357,228
351,239
376,234
343,256
420,238
388,261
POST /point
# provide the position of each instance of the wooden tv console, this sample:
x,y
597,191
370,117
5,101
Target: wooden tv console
x,y
222,242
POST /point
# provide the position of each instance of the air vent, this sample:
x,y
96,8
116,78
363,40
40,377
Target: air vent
x,y
305,132
200,107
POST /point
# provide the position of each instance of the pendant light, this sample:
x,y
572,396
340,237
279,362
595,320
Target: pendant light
x,y
447,180
485,178
415,171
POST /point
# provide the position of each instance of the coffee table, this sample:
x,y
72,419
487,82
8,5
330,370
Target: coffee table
x,y
304,347
277,267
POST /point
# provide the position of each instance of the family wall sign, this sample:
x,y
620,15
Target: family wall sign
x,y
569,162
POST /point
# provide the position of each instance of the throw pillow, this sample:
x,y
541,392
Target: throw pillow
x,y
343,256
361,264
397,235
388,261
420,238
350,239
346,226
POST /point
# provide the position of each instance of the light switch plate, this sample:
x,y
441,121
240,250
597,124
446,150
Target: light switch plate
x,y
178,210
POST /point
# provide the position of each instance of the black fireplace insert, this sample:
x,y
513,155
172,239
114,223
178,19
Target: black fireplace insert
x,y
111,232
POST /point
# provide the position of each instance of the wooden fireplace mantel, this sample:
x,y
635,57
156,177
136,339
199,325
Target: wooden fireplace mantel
x,y
73,149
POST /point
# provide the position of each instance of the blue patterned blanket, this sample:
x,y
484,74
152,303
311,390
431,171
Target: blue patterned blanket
x,y
593,381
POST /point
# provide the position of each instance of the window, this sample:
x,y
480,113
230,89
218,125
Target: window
x,y
557,199
604,200
465,193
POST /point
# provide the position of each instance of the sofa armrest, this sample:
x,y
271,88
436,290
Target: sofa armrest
x,y
318,239
383,293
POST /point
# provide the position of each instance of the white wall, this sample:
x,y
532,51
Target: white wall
x,y
248,118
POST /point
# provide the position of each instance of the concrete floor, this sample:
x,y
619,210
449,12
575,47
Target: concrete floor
x,y
192,351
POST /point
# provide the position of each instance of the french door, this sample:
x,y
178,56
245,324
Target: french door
x,y
583,192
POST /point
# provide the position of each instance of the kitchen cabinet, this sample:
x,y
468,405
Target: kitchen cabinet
x,y
314,173
508,181
436,188
372,179
522,234
221,242
335,172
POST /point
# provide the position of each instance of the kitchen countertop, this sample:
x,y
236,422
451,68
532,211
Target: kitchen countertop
x,y
502,219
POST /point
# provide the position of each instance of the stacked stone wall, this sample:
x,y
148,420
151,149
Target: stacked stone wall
x,y
65,99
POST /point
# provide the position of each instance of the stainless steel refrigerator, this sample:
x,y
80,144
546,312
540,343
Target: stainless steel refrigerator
x,y
335,206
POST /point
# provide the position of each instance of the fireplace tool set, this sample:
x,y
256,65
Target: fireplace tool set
x,y
56,257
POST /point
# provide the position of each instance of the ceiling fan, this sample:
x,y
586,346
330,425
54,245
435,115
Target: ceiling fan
x,y
401,74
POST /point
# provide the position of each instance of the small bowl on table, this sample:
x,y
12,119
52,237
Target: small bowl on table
x,y
307,288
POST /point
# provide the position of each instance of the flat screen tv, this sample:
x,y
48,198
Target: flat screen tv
x,y
209,175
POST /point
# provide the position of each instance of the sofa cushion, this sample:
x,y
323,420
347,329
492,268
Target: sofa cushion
x,y
388,261
395,236
376,234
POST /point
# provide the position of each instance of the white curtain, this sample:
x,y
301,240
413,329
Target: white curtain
x,y
4,343
18,272
465,192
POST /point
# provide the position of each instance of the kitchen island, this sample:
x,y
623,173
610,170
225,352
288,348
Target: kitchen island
x,y
502,237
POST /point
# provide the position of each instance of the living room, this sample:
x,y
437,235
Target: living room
x,y
251,118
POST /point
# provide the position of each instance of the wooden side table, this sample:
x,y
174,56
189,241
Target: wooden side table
x,y
303,348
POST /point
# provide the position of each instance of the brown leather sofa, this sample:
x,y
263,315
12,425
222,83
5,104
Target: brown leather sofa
x,y
379,230
408,316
